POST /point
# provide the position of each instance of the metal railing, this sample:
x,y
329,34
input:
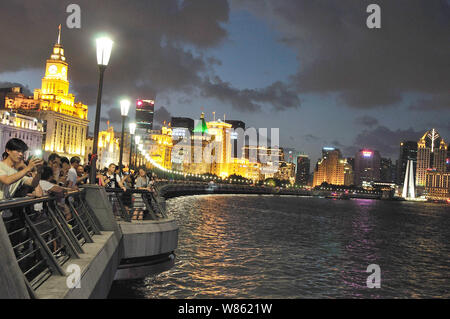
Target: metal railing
x,y
127,203
46,232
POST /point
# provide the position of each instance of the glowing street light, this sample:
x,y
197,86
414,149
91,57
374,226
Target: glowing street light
x,y
104,48
132,127
124,108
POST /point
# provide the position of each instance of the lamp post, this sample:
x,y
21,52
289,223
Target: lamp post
x,y
104,48
124,108
137,140
132,132
141,149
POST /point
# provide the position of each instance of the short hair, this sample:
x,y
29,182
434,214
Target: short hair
x,y
47,173
65,160
53,157
112,165
75,159
15,144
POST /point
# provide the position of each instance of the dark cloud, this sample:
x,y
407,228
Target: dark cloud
x,y
383,139
279,95
366,68
440,102
159,47
25,89
311,138
162,115
366,120
114,117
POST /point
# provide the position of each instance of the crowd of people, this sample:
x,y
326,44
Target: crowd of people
x,y
33,177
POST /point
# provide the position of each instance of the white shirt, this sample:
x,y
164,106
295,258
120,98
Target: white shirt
x,y
7,191
72,177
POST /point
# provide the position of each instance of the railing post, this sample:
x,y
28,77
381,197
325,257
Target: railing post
x,y
46,253
13,281
65,230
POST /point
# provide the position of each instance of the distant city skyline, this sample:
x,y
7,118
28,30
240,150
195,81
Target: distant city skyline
x,y
272,64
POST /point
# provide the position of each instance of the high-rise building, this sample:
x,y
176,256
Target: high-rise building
x,y
303,170
367,166
349,176
386,170
408,152
145,111
330,169
66,124
431,154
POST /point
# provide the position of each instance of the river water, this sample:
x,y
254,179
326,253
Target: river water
x,y
302,247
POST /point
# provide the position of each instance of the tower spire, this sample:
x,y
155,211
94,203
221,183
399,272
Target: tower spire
x,y
59,34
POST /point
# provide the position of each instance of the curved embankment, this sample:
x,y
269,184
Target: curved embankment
x,y
171,190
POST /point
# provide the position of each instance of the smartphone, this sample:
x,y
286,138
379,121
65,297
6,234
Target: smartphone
x,y
35,154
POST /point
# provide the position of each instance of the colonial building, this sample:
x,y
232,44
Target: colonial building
x,y
108,148
28,129
66,121
437,185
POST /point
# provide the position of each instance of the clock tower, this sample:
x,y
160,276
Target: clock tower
x,y
55,79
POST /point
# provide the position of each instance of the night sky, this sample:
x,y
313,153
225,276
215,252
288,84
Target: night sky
x,y
311,68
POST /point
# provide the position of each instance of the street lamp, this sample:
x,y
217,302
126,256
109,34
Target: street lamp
x,y
104,48
132,132
137,140
124,108
141,149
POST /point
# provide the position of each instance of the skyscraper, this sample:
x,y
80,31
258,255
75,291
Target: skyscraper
x,y
303,169
408,152
145,111
386,170
330,169
431,154
367,166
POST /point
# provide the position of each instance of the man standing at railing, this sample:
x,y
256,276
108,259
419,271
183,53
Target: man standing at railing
x,y
113,180
10,178
72,176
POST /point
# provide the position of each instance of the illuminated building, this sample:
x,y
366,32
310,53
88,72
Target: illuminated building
x,y
66,120
161,147
329,169
431,154
303,169
237,137
219,148
408,152
145,111
182,127
243,167
286,172
437,185
367,166
108,148
28,129
349,176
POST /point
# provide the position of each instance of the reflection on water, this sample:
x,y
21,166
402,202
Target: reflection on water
x,y
288,247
